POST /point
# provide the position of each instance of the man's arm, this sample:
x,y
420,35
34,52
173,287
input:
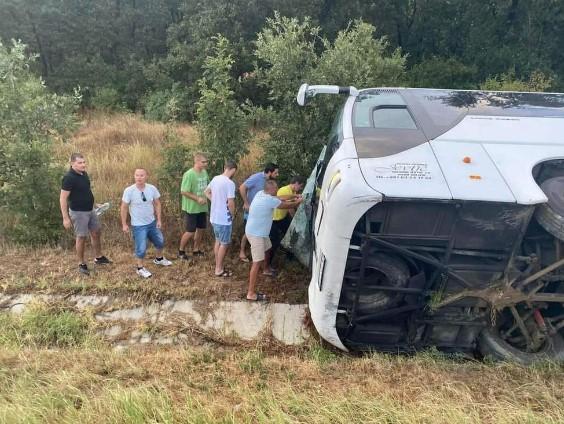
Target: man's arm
x,y
243,192
288,196
231,206
158,211
190,195
208,193
289,204
123,210
63,200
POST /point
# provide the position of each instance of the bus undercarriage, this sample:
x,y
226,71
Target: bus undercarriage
x,y
455,275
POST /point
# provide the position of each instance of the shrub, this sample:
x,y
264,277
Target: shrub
x,y
165,105
108,99
30,118
177,157
537,81
222,124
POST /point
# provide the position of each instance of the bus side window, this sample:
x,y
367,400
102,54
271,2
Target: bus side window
x,y
334,142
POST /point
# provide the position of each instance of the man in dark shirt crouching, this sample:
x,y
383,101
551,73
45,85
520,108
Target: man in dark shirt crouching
x,y
77,208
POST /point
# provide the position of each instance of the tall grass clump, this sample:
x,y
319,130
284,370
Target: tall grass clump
x,y
43,326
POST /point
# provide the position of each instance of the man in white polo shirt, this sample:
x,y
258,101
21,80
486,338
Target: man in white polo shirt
x,y
221,192
258,230
142,201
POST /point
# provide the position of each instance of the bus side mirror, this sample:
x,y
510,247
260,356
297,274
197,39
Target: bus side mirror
x,y
306,91
301,98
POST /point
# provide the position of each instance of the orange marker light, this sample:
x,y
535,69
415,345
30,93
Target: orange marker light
x,y
467,159
475,177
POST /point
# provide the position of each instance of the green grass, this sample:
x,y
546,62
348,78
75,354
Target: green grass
x,y
45,326
53,369
320,354
211,385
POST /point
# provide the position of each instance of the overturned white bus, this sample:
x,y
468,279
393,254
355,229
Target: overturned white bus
x,y
439,222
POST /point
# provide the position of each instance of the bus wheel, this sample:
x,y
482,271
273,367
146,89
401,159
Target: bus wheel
x,y
550,215
382,270
521,334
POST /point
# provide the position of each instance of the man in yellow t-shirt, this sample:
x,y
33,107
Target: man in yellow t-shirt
x,y
282,218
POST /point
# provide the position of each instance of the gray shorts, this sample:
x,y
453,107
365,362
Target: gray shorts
x,y
84,222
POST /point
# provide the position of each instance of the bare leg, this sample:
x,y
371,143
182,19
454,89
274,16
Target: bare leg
x,y
96,238
139,262
80,244
184,240
219,257
267,257
215,252
242,252
198,240
253,277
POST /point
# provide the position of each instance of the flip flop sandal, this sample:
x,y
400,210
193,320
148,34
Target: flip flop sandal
x,y
245,259
261,297
271,274
225,273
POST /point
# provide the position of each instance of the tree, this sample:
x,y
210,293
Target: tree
x,y
437,72
291,52
537,81
98,45
221,123
30,118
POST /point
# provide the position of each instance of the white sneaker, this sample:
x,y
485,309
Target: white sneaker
x,y
144,273
163,262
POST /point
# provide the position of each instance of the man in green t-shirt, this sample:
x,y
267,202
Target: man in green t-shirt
x,y
194,205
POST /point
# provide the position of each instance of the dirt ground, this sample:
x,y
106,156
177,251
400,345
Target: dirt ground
x,y
54,270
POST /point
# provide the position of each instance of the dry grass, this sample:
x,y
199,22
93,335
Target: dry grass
x,y
211,384
114,146
50,271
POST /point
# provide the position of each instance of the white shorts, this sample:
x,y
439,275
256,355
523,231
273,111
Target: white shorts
x,y
259,245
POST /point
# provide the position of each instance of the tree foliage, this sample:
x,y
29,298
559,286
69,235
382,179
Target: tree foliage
x,y
177,157
30,117
140,47
537,81
292,52
221,123
438,72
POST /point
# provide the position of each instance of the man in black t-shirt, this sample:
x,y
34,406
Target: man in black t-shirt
x,y
77,208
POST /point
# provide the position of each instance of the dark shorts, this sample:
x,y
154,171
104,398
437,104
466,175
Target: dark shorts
x,y
192,221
